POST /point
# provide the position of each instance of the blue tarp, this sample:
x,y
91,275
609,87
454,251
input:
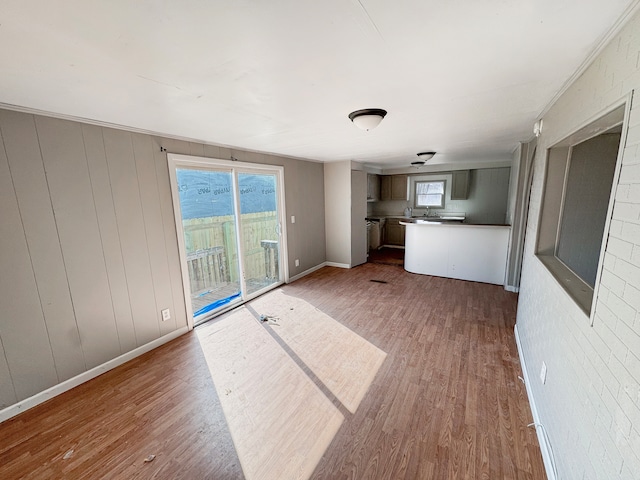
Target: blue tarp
x,y
208,194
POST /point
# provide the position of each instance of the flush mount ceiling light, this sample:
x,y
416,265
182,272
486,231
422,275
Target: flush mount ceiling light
x,y
423,156
368,118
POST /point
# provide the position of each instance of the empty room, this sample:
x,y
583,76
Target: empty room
x,y
320,240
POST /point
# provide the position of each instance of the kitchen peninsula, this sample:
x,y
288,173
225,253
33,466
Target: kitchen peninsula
x,y
455,250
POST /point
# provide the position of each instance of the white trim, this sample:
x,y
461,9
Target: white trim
x,y
586,63
307,272
234,167
510,288
83,377
545,448
612,200
335,264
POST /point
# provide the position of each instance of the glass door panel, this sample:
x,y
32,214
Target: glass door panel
x,y
259,230
207,209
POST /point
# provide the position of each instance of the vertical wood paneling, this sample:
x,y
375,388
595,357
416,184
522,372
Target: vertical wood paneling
x,y
173,146
65,162
87,231
197,149
24,334
150,199
212,151
133,238
9,213
179,314
101,186
7,391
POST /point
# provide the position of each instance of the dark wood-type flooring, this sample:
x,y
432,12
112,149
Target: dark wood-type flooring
x,y
446,403
387,256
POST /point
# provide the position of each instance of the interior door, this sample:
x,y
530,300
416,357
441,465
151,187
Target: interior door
x,y
230,236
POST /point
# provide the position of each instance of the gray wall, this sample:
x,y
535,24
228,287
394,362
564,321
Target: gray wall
x,y
337,194
487,201
591,171
590,403
88,249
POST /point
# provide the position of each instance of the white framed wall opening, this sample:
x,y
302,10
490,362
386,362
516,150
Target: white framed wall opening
x,y
230,224
579,189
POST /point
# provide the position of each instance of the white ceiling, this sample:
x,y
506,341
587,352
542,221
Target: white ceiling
x,y
467,78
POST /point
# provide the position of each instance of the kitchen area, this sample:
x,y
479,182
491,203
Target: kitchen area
x,y
452,224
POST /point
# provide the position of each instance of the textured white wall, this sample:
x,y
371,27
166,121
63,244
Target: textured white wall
x,y
590,404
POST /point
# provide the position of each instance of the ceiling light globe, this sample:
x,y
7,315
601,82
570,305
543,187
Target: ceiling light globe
x,y
368,118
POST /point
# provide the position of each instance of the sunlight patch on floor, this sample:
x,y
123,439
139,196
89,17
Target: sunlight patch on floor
x,y
280,421
345,362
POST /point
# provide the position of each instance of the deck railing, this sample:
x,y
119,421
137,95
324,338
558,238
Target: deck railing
x,y
212,252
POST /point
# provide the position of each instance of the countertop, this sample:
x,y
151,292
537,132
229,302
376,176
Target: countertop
x,y
432,221
448,223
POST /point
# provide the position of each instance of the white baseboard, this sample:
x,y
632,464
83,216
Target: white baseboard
x,y
545,448
307,272
512,289
56,390
339,265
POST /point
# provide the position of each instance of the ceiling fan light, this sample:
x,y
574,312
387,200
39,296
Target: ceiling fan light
x,y
368,118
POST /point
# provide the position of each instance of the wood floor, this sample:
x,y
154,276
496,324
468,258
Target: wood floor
x,y
445,403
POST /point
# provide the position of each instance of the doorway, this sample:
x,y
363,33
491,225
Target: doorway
x,y
229,220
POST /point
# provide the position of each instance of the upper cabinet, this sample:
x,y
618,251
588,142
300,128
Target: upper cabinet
x,y
373,187
460,185
394,187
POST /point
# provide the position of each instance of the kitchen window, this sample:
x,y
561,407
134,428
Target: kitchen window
x,y
430,194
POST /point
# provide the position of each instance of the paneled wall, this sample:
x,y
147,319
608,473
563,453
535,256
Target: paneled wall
x,y
88,248
590,403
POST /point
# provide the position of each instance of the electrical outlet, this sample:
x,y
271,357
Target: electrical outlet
x,y
166,314
297,262
543,373
293,219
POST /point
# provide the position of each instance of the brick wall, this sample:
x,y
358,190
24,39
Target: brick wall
x,y
590,404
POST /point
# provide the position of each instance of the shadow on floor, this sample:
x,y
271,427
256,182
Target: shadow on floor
x,y
387,256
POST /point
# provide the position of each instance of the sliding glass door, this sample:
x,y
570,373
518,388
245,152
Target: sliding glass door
x,y
229,218
260,227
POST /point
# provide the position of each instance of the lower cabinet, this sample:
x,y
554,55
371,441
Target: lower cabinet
x,y
393,232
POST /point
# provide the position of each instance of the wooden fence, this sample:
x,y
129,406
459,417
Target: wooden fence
x,y
212,253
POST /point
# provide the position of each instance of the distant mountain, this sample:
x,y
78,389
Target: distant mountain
x,y
209,194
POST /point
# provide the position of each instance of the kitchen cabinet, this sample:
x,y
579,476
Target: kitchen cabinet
x,y
393,187
460,185
393,232
385,187
373,187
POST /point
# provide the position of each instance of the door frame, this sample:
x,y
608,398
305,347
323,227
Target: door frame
x,y
175,161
